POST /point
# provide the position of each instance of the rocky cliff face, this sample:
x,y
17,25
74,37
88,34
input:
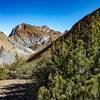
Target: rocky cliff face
x,y
34,37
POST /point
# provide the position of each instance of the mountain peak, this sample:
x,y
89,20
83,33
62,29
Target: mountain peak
x,y
33,36
27,29
24,24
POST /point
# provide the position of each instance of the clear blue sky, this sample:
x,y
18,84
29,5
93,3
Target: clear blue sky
x,y
57,14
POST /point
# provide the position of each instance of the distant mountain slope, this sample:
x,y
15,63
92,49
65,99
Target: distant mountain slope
x,y
4,41
6,49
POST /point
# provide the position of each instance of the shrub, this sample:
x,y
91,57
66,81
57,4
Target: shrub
x,y
3,73
20,69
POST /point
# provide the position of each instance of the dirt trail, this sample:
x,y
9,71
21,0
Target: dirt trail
x,y
14,88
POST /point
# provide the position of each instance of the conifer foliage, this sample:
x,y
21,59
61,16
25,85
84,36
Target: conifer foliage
x,y
75,64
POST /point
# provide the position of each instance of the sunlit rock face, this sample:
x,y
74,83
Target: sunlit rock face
x,y
33,36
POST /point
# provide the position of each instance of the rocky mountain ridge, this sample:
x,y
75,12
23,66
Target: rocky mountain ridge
x,y
81,25
32,36
24,41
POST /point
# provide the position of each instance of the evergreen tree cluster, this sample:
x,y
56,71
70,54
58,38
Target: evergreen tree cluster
x,y
73,72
